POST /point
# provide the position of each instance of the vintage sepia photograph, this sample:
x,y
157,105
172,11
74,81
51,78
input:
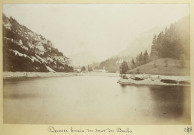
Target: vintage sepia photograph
x,y
96,64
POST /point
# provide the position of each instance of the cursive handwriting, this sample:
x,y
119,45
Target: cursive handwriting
x,y
52,129
96,130
124,130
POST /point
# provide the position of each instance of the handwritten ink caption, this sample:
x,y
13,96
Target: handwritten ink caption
x,y
88,130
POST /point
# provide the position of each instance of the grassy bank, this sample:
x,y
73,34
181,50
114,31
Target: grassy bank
x,y
165,66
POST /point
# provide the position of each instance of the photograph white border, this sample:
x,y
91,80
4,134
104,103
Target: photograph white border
x,y
31,129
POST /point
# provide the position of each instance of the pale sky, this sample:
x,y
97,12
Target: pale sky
x,y
101,29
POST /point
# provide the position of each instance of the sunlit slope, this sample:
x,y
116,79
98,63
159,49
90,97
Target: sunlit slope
x,y
164,66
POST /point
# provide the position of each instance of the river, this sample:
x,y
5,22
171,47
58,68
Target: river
x,y
93,100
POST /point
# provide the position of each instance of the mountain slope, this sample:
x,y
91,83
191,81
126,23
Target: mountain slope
x,y
140,44
24,50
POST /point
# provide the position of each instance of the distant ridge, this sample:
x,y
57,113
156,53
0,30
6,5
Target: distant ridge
x,y
142,43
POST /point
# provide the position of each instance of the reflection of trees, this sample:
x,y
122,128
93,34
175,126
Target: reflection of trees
x,y
124,87
169,101
159,104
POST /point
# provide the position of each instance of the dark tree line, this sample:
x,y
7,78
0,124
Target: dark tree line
x,y
175,41
141,59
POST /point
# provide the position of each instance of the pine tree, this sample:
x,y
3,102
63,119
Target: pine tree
x,y
124,67
132,62
145,57
154,42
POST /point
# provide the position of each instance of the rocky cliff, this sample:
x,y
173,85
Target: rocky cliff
x,y
25,50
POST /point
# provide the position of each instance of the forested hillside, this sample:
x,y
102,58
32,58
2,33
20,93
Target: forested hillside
x,y
170,52
173,43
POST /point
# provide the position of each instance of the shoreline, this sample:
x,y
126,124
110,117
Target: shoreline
x,y
151,80
148,83
27,75
67,74
156,80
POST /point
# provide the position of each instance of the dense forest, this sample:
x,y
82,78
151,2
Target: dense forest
x,y
173,42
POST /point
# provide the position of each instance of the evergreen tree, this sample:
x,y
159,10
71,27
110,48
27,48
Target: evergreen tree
x,y
124,67
154,42
175,42
140,59
145,57
132,62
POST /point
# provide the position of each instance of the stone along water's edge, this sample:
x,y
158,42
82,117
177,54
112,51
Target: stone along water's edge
x,y
160,80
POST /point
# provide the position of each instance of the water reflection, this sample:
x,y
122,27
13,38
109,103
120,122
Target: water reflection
x,y
20,96
93,100
165,102
168,100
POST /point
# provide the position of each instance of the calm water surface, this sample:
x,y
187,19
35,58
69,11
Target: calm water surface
x,y
93,100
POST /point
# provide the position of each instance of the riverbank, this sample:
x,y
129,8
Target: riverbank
x,y
148,79
160,80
